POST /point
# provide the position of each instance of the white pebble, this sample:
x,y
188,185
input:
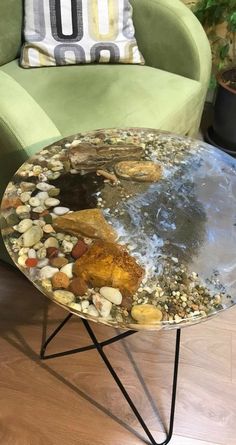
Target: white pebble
x,y
60,210
102,305
44,186
48,272
76,306
42,177
47,285
51,202
41,253
57,166
92,311
183,298
42,263
37,169
51,242
32,253
178,319
75,143
68,270
32,236
23,211
42,196
38,246
56,175
34,202
27,186
39,209
67,246
111,294
21,260
48,228
84,304
63,296
39,222
23,251
25,196
60,236
24,225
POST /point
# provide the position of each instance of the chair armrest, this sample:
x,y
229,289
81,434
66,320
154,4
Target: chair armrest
x,y
171,38
23,123
24,127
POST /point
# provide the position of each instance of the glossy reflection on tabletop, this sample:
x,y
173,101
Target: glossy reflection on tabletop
x,y
133,228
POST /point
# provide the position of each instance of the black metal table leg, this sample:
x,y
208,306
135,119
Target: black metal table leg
x,y
99,347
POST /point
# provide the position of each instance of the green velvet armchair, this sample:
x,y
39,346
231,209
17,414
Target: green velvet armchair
x,y
42,105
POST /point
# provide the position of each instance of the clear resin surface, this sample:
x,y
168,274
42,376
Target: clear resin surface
x,y
132,228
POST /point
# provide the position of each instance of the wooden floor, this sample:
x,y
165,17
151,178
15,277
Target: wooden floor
x,y
73,400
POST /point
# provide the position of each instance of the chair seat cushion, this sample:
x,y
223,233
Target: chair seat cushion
x,y
80,98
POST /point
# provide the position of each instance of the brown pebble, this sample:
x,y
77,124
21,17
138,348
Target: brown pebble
x,y
58,262
52,252
60,281
8,203
79,249
44,213
34,215
127,302
78,286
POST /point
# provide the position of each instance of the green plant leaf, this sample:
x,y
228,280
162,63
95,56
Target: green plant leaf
x,y
211,3
211,13
224,51
213,82
232,22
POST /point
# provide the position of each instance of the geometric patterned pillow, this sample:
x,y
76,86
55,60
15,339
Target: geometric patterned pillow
x,y
67,32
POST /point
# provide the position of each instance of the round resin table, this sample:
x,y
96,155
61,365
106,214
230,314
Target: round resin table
x,y
133,228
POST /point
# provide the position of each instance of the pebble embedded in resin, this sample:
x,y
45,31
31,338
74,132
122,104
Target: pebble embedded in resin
x,y
78,286
59,211
44,186
51,242
32,236
92,311
146,314
63,296
51,202
111,294
102,305
139,171
48,272
60,280
58,262
68,270
24,225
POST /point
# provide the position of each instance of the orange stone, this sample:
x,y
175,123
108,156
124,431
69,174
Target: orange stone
x,y
31,262
60,281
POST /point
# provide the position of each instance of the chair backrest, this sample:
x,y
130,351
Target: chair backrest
x,y
11,15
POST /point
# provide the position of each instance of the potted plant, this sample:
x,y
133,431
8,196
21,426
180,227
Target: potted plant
x,y
211,14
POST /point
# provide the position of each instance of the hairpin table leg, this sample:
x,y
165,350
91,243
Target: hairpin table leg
x,y
99,347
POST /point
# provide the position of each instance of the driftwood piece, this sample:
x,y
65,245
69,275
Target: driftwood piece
x,y
88,157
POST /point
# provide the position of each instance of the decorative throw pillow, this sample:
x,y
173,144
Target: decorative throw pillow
x,y
65,32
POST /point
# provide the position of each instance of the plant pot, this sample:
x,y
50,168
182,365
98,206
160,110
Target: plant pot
x,y
223,131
